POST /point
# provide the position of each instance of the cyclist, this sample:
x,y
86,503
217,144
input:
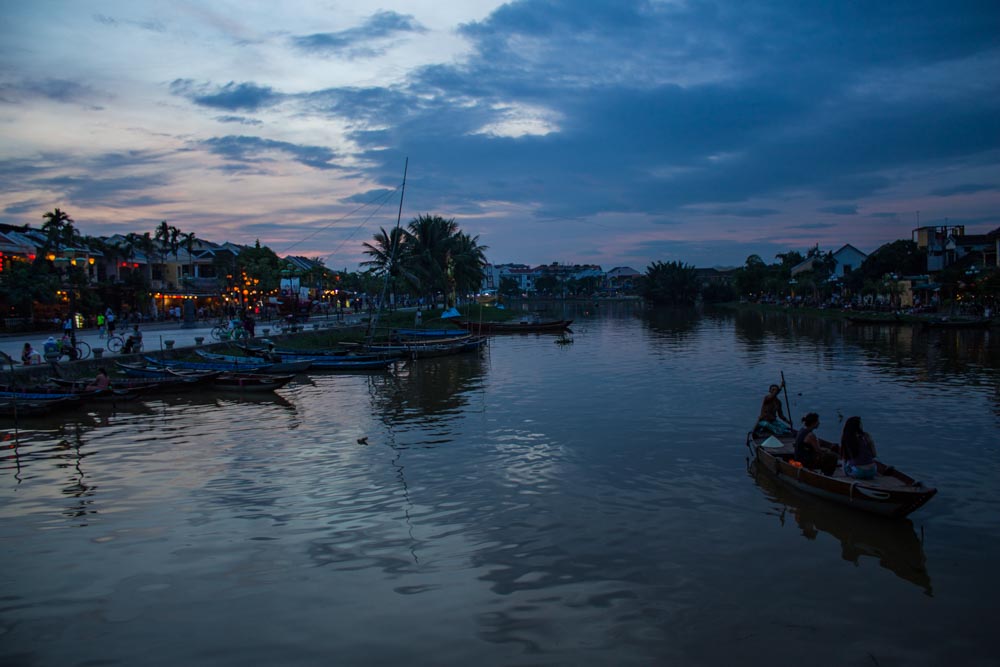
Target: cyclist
x,y
134,341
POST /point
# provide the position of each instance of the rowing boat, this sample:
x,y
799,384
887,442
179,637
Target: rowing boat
x,y
516,326
891,493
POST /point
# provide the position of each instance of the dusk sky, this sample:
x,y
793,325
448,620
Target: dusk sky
x,y
578,131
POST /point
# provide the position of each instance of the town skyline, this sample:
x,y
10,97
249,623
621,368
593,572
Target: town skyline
x,y
616,134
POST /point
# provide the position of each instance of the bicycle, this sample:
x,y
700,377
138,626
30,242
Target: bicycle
x,y
116,343
225,333
82,351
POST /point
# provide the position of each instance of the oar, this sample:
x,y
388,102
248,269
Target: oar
x,y
788,404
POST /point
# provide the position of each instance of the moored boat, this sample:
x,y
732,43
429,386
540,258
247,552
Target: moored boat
x,y
532,325
254,382
251,364
891,493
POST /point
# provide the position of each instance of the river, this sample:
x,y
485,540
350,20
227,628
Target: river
x,y
541,504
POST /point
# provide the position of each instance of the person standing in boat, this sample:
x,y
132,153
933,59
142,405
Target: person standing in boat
x,y
772,418
808,450
858,449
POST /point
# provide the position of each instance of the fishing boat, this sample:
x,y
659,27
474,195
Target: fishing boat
x,y
958,323
14,407
891,493
224,366
530,325
141,370
427,333
875,319
250,382
146,384
431,348
253,363
44,392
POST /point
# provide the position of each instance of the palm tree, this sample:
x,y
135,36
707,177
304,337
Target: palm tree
x,y
59,232
468,259
387,253
188,241
426,254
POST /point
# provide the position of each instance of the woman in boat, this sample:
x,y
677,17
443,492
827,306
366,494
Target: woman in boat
x,y
858,449
771,413
808,450
102,381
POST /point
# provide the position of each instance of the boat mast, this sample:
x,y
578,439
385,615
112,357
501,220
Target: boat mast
x,y
392,257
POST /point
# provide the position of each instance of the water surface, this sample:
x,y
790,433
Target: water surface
x,y
584,504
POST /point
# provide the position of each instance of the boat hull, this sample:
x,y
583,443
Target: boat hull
x,y
891,494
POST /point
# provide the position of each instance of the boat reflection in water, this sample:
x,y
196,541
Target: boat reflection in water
x,y
894,542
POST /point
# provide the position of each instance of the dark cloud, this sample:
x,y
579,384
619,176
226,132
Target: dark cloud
x,y
358,41
250,152
840,210
242,120
744,212
231,96
965,189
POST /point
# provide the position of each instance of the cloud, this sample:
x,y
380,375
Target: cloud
x,y
242,120
840,210
248,151
357,42
231,96
965,189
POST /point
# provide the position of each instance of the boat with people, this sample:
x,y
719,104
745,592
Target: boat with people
x,y
524,325
890,493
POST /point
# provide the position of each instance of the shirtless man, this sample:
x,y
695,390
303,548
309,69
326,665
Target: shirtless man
x,y
772,418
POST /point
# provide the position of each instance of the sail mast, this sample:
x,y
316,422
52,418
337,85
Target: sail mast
x,y
392,256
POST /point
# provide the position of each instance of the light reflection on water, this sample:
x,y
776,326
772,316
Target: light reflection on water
x,y
541,504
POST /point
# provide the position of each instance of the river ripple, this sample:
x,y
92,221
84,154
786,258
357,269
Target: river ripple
x,y
540,504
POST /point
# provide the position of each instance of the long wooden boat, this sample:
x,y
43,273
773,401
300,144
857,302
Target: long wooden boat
x,y
428,333
250,382
959,323
13,407
428,349
251,364
146,384
887,320
518,326
49,392
225,367
140,370
891,493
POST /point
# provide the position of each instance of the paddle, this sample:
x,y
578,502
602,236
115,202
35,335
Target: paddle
x,y
788,404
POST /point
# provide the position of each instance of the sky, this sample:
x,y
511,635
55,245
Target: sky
x,y
601,132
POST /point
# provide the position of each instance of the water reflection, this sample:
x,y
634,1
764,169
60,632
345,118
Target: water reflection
x,y
893,542
428,389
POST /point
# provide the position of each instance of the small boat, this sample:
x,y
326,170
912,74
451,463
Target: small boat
x,y
891,493
887,320
13,407
431,348
255,382
253,363
530,325
164,382
50,392
427,333
958,323
225,367
139,370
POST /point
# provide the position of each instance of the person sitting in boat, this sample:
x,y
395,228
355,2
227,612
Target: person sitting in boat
x,y
101,381
858,449
772,418
808,450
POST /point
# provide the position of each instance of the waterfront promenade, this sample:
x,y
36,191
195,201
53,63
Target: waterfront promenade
x,y
154,334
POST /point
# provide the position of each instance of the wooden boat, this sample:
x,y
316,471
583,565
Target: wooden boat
x,y
432,348
251,364
531,325
225,367
254,382
428,333
891,493
959,323
875,319
49,392
13,407
164,382
139,370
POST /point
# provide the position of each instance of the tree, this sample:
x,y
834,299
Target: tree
x,y
59,232
671,283
426,256
188,241
387,254
508,287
